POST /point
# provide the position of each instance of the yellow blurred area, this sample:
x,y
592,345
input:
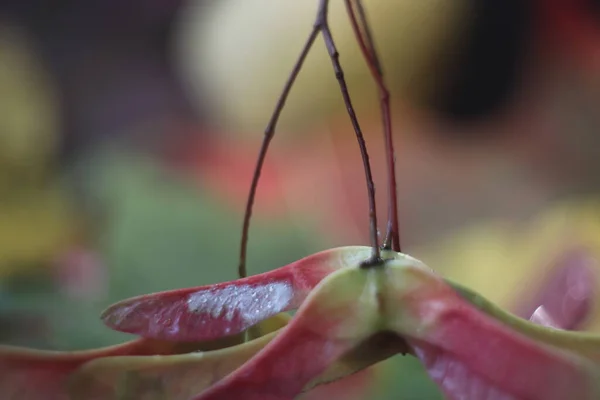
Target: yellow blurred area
x,y
34,231
506,261
36,219
29,108
240,53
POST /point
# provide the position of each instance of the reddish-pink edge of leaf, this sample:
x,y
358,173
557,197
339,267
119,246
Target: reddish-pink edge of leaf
x,y
212,311
281,370
471,355
28,374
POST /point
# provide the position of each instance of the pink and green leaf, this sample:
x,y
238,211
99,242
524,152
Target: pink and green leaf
x,y
176,377
449,329
182,376
35,374
349,318
171,376
212,311
339,315
28,374
473,349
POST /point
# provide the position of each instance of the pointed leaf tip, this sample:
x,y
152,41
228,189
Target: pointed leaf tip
x,y
211,311
201,313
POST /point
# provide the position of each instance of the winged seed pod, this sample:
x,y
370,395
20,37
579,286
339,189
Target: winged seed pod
x,y
469,347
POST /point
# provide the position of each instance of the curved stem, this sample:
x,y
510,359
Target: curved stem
x,y
269,133
321,25
322,22
364,37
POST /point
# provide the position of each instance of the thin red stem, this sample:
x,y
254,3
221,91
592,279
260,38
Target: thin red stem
x,y
339,74
364,37
269,133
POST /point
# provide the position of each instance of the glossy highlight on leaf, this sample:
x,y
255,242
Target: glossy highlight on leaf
x,y
208,312
565,294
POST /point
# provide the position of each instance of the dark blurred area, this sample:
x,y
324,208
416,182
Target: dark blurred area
x,y
110,62
491,62
129,132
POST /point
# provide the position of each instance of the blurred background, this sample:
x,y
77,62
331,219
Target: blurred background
x,y
129,132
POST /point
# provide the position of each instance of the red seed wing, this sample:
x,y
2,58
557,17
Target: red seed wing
x,y
470,353
209,312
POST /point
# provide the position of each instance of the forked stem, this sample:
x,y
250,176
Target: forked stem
x,y
321,25
366,43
